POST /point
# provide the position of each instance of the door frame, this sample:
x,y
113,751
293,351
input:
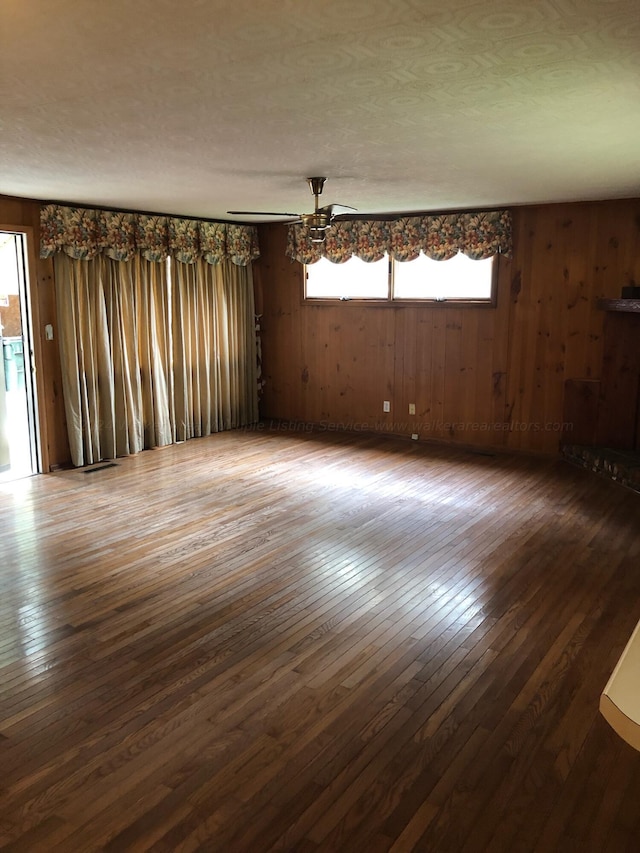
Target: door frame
x,y
34,339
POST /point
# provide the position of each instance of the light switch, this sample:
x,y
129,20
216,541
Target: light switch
x,y
48,332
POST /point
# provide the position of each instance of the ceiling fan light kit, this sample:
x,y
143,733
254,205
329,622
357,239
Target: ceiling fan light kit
x,y
317,233
317,223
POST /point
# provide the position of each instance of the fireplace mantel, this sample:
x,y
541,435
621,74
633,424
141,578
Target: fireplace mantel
x,y
628,306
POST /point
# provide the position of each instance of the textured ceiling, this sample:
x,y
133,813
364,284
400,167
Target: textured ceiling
x,y
200,106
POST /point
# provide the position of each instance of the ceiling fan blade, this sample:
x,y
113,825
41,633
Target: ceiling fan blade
x,y
336,209
260,213
317,222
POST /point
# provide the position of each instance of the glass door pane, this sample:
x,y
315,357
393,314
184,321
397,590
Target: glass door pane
x,y
18,433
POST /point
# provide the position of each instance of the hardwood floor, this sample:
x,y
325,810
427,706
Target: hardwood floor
x,y
271,640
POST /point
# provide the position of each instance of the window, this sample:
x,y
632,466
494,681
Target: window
x,y
459,279
355,279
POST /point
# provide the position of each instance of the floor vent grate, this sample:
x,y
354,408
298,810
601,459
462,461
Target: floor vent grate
x,y
100,467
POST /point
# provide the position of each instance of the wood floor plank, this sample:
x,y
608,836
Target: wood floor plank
x,y
272,640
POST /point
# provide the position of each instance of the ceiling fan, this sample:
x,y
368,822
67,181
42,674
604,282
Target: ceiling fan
x,y
317,222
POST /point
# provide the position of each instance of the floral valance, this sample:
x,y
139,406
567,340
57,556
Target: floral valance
x,y
478,235
83,233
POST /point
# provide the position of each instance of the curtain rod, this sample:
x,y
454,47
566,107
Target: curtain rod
x,y
390,217
375,217
111,209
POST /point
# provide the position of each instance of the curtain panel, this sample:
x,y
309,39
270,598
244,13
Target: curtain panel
x,y
478,235
84,234
149,359
214,348
113,335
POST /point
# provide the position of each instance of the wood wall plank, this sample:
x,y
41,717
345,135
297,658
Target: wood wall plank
x,y
461,366
405,370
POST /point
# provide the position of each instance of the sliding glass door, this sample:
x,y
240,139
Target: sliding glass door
x,y
18,422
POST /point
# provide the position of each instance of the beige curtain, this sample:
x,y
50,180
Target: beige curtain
x,y
154,348
114,348
214,348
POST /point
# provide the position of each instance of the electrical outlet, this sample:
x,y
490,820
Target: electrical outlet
x,y
414,436
412,408
386,406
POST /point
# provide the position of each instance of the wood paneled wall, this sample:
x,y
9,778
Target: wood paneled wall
x,y
478,376
25,214
486,377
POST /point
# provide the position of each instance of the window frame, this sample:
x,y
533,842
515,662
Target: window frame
x,y
395,302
